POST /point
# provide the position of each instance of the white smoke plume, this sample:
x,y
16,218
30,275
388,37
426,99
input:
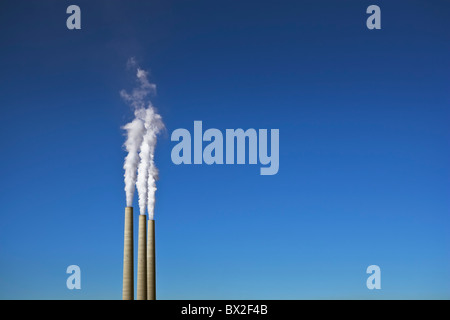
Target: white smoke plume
x,y
152,177
146,169
134,131
141,132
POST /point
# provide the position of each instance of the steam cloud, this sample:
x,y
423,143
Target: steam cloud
x,y
134,131
141,133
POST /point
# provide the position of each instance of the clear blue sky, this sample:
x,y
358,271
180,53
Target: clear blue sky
x,y
364,147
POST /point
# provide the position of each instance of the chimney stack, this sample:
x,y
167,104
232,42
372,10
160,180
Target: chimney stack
x,y
151,267
142,259
128,278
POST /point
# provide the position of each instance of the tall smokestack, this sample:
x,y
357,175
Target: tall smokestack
x,y
142,259
151,268
128,278
141,172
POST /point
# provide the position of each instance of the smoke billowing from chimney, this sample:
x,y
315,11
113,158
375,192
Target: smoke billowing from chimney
x,y
140,169
134,131
147,171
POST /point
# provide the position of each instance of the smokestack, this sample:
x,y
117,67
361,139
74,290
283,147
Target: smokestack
x,y
151,268
128,278
140,172
142,259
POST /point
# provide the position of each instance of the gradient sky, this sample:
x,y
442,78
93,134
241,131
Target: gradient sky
x,y
364,147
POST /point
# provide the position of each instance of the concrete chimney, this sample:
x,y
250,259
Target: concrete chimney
x,y
142,259
151,268
128,278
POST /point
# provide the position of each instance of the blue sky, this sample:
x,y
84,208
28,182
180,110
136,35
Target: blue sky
x,y
364,147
